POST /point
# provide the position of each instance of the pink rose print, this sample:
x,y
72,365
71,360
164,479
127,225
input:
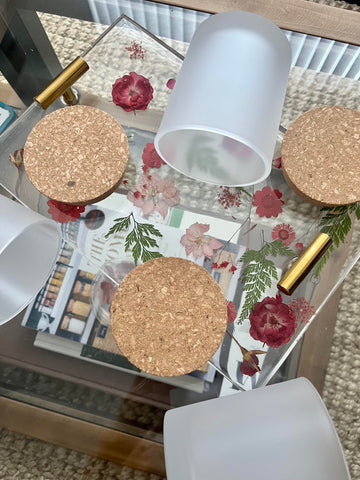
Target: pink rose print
x,y
151,158
196,242
299,245
302,310
284,233
63,212
231,311
132,92
272,322
268,202
152,193
171,83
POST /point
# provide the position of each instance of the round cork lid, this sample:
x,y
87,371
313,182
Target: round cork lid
x,y
320,156
168,316
76,155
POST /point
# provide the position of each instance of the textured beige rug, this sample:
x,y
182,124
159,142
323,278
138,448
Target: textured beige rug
x,y
25,458
342,382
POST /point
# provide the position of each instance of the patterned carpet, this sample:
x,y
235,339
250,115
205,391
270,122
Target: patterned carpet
x,y
22,457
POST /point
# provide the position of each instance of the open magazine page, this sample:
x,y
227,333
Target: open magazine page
x,y
66,312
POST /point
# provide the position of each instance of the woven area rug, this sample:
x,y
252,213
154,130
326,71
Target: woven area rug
x,y
342,382
22,457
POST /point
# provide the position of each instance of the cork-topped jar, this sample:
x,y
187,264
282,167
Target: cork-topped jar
x,y
168,316
321,156
76,155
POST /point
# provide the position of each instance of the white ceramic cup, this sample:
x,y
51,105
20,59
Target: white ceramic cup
x,y
29,245
223,116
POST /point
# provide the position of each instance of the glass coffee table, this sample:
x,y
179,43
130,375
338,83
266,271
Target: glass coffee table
x,y
58,359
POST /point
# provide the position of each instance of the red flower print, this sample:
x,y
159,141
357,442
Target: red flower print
x,y
63,212
284,233
250,363
132,92
151,158
268,202
196,242
229,197
299,246
17,158
217,266
302,310
136,50
171,83
108,291
231,311
272,322
277,162
152,193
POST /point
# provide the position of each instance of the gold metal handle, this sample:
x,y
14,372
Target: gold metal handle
x,y
62,82
298,271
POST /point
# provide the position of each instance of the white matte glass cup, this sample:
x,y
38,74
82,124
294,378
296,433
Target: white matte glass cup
x,y
29,245
223,116
279,432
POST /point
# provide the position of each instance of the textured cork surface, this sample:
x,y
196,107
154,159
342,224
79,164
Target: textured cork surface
x,y
321,155
168,316
76,155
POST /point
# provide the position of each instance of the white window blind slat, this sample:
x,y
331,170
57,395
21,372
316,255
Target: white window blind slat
x,y
308,51
321,54
346,61
334,57
354,70
297,43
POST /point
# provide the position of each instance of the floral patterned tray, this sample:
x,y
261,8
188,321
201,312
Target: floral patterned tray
x,y
247,238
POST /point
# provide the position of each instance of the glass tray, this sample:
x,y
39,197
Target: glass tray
x,y
231,216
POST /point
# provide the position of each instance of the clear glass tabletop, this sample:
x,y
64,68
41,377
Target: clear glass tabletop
x,y
259,240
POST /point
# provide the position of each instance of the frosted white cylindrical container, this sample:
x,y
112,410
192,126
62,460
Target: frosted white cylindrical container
x,y
279,432
222,119
29,245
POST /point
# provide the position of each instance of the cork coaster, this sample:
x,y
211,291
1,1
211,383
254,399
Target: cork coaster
x,y
168,316
321,156
76,155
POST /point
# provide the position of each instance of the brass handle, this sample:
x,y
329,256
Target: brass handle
x,y
298,271
62,82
